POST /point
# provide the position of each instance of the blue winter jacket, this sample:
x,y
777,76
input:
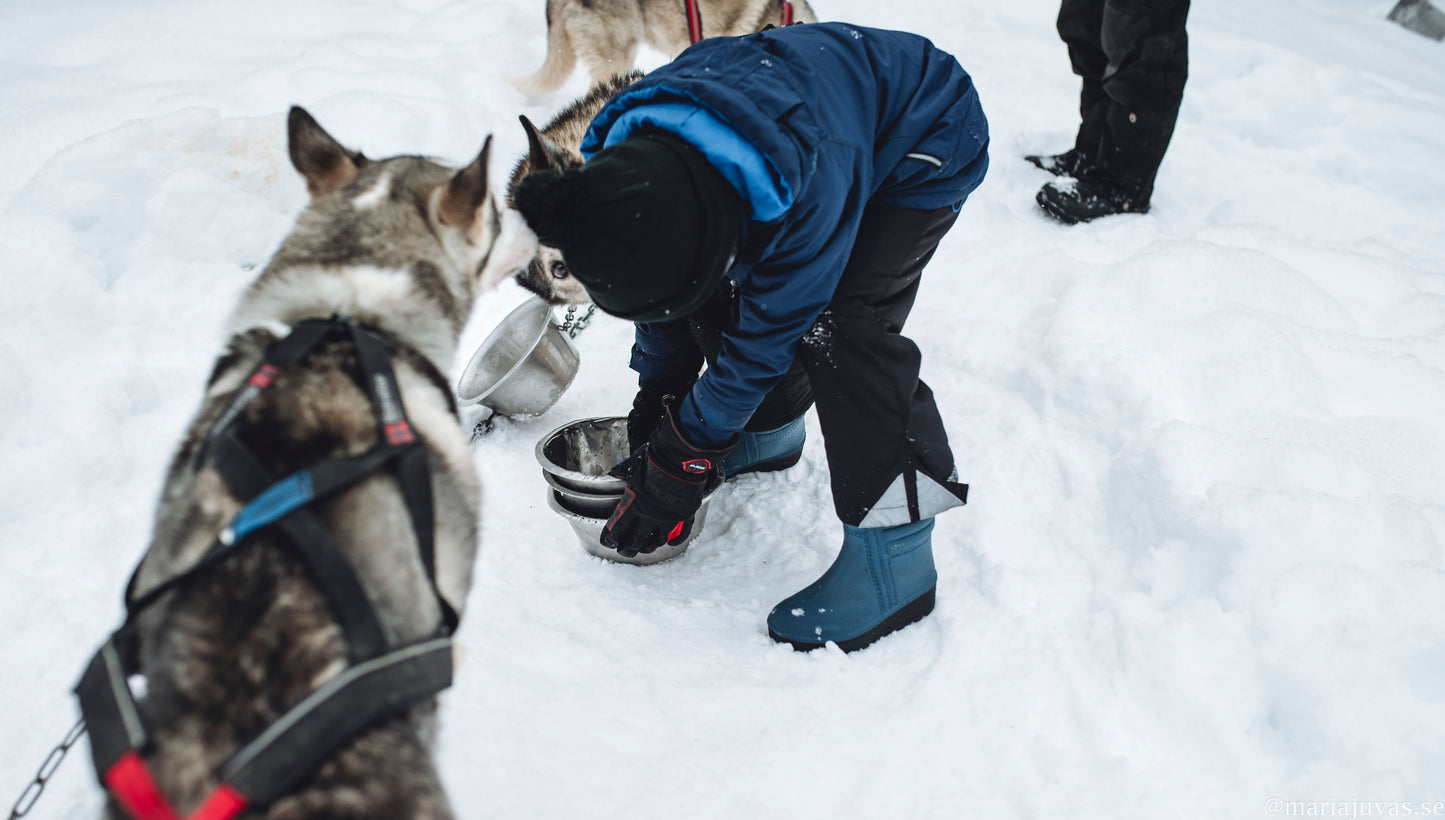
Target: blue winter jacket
x,y
810,123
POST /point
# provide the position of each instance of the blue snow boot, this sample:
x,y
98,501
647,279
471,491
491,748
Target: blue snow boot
x,y
882,581
768,451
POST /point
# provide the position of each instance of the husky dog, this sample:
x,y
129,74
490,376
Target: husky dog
x,y
400,246
606,33
556,147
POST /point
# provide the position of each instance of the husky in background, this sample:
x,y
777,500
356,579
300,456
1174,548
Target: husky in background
x,y
605,34
556,148
401,246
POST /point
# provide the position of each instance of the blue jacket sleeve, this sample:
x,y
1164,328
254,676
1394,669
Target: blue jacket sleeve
x,y
781,298
664,350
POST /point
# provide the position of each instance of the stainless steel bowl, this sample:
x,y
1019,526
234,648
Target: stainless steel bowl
x,y
523,367
597,505
589,532
579,454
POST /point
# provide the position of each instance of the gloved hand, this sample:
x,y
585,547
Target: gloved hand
x,y
667,479
647,407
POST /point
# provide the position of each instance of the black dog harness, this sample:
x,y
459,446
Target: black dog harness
x,y
382,679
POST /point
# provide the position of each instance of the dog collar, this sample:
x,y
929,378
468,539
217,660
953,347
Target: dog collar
x,y
694,18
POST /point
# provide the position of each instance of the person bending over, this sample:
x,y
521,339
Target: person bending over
x,y
767,204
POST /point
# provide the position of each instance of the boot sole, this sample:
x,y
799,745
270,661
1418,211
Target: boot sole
x,y
912,612
773,466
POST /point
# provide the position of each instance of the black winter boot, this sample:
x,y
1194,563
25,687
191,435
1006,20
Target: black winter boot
x,y
1085,200
1060,165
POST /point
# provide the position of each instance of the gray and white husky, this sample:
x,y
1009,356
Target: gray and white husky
x,y
401,246
557,147
606,34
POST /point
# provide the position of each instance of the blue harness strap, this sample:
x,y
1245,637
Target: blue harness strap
x,y
284,496
301,488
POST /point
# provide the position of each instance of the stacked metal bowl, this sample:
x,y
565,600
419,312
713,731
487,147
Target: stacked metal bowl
x,y
575,459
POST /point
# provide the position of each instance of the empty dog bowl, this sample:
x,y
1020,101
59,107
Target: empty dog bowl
x,y
597,505
579,454
589,532
524,365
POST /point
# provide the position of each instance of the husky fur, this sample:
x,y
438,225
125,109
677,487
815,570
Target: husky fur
x,y
556,147
402,246
605,34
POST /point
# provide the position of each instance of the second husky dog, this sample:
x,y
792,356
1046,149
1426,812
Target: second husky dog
x,y
391,253
557,147
607,33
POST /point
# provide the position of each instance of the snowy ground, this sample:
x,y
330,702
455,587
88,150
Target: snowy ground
x,y
1202,566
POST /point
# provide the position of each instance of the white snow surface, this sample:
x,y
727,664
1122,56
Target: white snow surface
x,y
1202,564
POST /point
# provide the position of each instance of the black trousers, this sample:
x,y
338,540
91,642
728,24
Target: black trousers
x,y
888,455
1133,58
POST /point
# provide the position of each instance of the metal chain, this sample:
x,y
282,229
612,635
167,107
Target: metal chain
x,y
47,770
572,324
484,426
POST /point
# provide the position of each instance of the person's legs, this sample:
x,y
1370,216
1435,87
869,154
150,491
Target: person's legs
x,y
888,454
1148,52
1147,64
1080,24
879,422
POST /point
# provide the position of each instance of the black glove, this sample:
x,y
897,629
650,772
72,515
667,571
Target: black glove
x,y
667,479
647,407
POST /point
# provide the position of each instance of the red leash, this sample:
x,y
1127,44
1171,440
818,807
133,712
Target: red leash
x,y
694,18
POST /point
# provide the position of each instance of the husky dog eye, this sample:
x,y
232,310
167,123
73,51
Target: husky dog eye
x,y
559,269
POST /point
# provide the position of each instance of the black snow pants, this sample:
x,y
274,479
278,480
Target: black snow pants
x,y
1133,57
888,454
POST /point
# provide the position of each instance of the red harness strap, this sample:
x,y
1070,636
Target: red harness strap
x,y
131,784
694,18
133,787
223,804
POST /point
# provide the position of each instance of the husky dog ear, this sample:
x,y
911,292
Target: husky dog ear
x,y
462,198
324,163
543,153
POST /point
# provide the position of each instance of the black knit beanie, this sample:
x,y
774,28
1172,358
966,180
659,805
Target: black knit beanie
x,y
648,226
